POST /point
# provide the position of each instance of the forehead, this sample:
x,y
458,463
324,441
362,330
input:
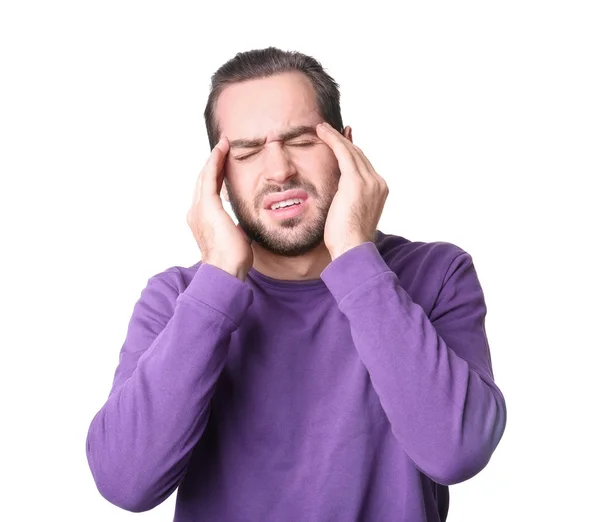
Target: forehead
x,y
266,106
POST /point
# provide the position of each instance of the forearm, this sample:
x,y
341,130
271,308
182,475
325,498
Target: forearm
x,y
446,416
444,409
140,442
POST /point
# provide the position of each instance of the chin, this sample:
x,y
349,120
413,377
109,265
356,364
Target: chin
x,y
292,237
288,242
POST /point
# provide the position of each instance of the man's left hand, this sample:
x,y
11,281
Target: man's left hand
x,y
358,204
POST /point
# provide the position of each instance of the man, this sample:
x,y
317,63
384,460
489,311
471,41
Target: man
x,y
311,367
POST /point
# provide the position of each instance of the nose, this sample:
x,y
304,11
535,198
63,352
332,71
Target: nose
x,y
278,164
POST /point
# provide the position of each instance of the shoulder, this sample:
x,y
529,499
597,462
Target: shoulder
x,y
422,267
169,283
403,254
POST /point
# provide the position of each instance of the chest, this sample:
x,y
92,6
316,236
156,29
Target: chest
x,y
291,368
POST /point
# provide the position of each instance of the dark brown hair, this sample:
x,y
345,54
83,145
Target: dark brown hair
x,y
262,63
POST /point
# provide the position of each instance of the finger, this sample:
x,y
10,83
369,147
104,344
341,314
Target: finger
x,y
333,139
361,160
365,168
369,167
364,165
213,168
206,166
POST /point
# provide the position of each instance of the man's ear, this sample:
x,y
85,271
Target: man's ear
x,y
348,132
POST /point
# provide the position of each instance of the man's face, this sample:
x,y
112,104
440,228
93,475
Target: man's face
x,y
270,124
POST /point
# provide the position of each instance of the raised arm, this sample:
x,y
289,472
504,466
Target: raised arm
x,y
139,443
433,374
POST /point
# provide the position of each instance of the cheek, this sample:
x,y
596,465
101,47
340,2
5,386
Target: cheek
x,y
237,175
240,185
319,159
327,156
242,173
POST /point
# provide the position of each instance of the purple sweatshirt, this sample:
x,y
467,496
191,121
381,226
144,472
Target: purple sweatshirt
x,y
359,396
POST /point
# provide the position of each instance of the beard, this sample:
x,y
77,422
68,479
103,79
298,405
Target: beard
x,y
290,237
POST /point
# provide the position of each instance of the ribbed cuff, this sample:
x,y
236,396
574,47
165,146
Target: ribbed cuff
x,y
220,290
352,268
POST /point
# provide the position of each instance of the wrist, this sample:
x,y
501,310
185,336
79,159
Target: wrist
x,y
236,271
338,251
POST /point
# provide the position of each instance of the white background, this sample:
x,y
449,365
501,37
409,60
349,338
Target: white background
x,y
483,117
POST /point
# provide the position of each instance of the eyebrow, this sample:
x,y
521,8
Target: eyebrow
x,y
294,132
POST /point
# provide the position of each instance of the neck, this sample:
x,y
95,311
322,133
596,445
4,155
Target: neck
x,y
301,268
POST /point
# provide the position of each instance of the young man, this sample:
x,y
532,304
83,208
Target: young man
x,y
310,367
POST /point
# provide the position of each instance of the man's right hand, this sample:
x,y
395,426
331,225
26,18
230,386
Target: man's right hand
x,y
222,242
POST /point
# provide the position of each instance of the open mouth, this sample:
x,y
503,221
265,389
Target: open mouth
x,y
287,209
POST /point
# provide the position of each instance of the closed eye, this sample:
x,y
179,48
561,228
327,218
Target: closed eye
x,y
298,144
242,158
302,144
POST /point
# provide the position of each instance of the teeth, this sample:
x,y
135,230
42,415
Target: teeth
x,y
285,203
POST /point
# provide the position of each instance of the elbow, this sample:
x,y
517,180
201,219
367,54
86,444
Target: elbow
x,y
125,499
132,503
128,493
463,466
463,460
119,486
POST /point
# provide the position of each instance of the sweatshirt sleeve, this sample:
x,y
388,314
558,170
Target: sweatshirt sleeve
x,y
140,441
433,375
